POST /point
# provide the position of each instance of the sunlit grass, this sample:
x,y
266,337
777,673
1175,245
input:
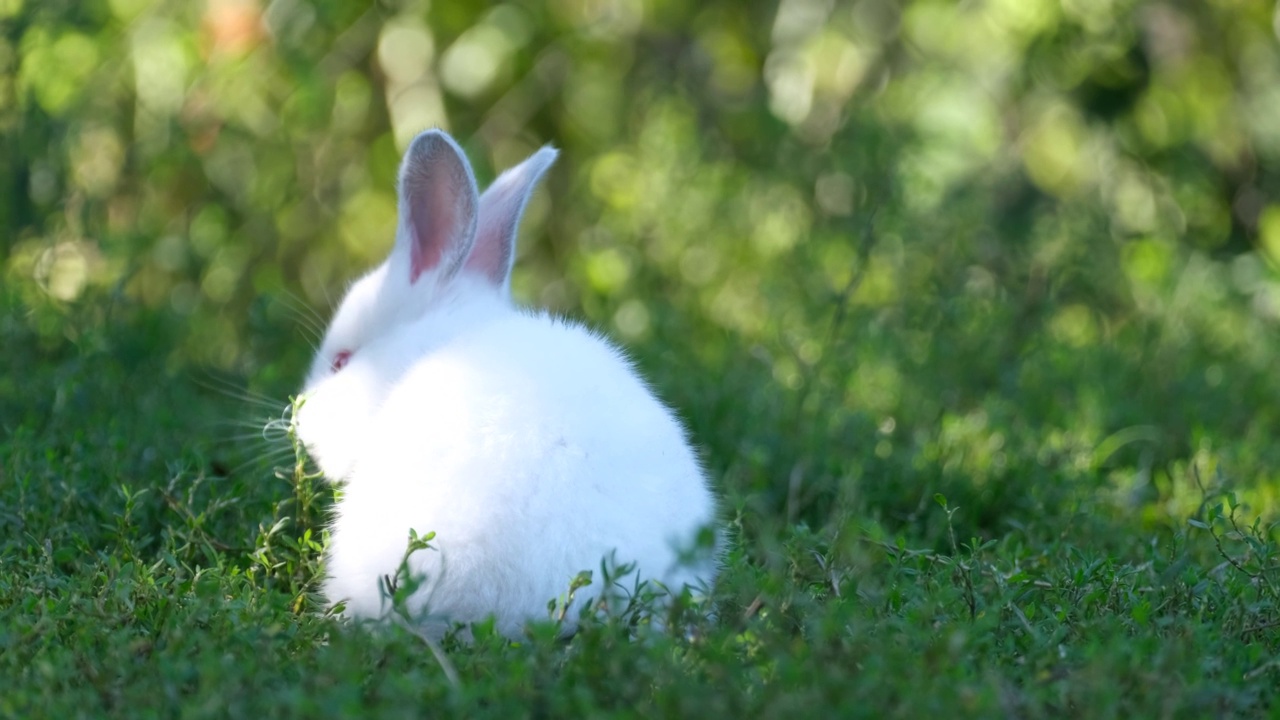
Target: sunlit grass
x,y
975,567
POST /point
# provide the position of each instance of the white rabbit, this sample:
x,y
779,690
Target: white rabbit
x,y
526,442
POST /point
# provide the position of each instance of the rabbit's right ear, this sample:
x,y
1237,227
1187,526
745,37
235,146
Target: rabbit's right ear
x,y
438,203
500,209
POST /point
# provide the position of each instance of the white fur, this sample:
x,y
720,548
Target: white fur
x,y
527,443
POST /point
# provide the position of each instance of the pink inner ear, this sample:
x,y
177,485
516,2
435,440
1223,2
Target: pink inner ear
x,y
433,217
495,234
422,257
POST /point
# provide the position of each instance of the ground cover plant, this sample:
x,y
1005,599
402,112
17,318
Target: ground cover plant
x,y
972,309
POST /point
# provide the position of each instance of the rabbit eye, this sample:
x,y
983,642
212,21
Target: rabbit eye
x,y
340,360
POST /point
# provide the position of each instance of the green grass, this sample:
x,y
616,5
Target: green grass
x,y
150,566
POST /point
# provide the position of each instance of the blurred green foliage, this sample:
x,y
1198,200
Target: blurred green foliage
x,y
911,235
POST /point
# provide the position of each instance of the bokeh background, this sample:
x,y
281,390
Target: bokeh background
x,y
1017,251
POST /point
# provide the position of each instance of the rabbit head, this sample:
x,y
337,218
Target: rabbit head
x,y
452,257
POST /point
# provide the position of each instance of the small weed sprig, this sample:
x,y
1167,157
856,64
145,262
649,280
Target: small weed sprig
x,y
558,608
399,588
963,570
125,530
1257,561
293,559
628,602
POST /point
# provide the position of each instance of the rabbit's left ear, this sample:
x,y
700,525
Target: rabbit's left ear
x,y
501,207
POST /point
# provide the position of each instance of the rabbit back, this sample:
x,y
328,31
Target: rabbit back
x,y
537,453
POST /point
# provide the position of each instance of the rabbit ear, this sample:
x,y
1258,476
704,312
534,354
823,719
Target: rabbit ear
x,y
500,209
438,202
